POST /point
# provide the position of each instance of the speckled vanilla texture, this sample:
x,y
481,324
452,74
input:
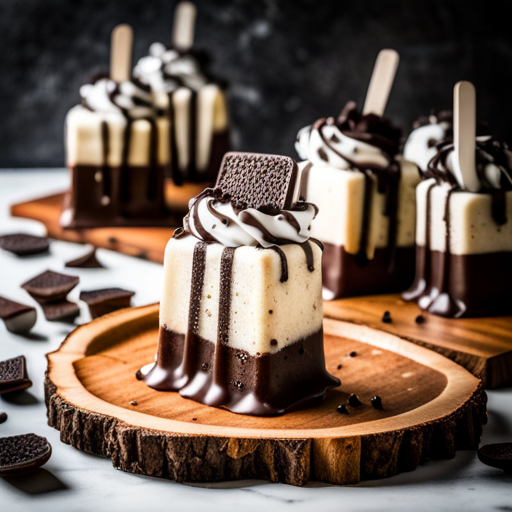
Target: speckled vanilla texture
x,y
340,196
473,230
262,308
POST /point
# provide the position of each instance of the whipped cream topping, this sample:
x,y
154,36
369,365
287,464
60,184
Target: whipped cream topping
x,y
128,98
212,218
493,165
164,70
352,140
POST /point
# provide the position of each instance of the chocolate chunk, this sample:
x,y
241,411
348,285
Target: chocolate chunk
x,y
24,245
386,317
22,454
88,260
353,353
377,402
61,311
50,286
420,319
106,300
13,375
497,456
134,402
3,417
340,367
354,401
18,318
342,409
254,180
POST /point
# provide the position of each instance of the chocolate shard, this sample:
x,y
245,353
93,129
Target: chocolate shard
x,y
353,400
106,300
254,180
24,245
88,260
50,286
18,318
497,455
60,311
22,454
13,375
376,402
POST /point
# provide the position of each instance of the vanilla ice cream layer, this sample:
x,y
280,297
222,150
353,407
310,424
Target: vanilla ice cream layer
x,y
262,308
472,228
339,195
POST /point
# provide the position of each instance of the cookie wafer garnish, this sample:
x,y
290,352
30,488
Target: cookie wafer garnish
x,y
24,245
106,300
18,318
61,311
50,286
13,375
497,455
88,260
22,454
254,180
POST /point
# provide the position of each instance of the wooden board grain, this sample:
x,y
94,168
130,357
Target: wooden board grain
x,y
482,345
432,407
141,242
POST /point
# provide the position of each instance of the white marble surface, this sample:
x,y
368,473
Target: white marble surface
x,y
75,481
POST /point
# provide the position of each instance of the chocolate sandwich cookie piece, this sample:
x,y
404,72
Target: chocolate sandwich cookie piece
x,y
88,260
24,245
13,375
18,318
61,311
254,180
23,454
497,456
106,300
50,286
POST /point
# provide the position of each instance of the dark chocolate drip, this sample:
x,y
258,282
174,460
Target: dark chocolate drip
x,y
199,226
153,161
499,207
105,170
173,148
362,256
310,262
317,242
284,263
222,218
125,193
192,137
196,290
226,270
250,220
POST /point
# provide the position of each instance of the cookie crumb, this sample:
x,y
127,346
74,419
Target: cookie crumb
x,y
342,409
386,317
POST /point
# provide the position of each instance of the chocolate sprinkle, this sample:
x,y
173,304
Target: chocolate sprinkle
x,y
376,402
342,409
386,317
354,401
254,180
24,245
22,454
14,375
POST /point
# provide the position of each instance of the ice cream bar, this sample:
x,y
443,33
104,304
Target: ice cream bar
x,y
365,194
241,310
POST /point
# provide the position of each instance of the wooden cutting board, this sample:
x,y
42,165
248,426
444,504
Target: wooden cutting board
x,y
483,345
432,407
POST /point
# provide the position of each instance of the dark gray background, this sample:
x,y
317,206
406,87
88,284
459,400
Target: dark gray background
x,y
288,62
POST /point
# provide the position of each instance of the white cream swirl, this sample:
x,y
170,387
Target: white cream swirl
x,y
211,220
126,98
166,70
325,144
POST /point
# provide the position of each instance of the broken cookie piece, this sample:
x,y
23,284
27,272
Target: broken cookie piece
x,y
106,300
50,286
23,454
18,318
24,245
14,375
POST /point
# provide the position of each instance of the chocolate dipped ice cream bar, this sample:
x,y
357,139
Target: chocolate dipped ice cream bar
x,y
365,194
464,223
190,105
241,310
116,148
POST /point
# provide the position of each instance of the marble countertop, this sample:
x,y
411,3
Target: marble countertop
x,y
75,481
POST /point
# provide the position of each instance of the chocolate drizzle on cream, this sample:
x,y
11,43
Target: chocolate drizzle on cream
x,y
433,283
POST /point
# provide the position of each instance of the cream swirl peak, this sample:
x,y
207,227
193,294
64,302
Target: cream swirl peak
x,y
214,218
130,98
353,140
164,70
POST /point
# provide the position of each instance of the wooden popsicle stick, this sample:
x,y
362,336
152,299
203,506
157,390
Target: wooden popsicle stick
x,y
464,132
121,53
381,82
184,26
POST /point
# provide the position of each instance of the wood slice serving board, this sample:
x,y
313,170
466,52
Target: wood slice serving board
x,y
432,407
142,242
482,345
